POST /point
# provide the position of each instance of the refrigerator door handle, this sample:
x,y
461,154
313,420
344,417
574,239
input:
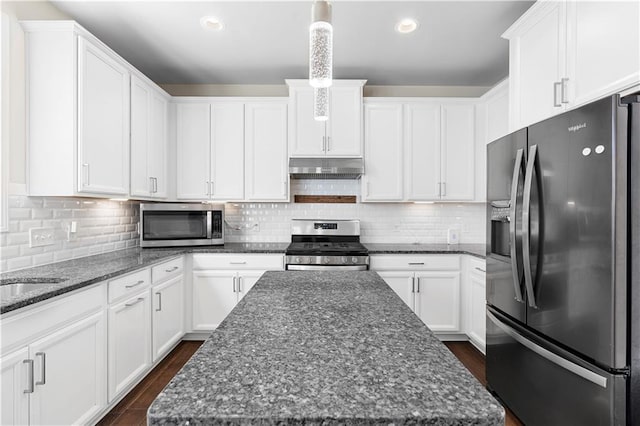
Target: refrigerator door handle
x,y
512,225
548,355
526,226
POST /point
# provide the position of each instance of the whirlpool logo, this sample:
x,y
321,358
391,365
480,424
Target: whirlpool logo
x,y
577,127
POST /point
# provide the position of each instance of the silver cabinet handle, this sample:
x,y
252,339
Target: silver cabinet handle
x,y
238,263
150,184
418,279
206,188
416,263
439,185
134,285
155,185
239,284
324,143
444,189
480,269
413,284
159,302
211,188
328,143
138,300
555,94
85,168
234,284
516,271
175,268
30,385
563,90
43,379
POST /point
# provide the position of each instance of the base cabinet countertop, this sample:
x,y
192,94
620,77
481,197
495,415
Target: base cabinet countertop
x,y
323,348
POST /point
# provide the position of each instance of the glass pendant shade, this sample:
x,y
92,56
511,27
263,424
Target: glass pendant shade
x,y
321,103
321,46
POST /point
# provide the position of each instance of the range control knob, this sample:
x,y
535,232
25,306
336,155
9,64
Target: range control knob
x,y
354,260
297,260
326,260
344,260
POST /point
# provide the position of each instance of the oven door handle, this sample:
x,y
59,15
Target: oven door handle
x,y
327,267
209,224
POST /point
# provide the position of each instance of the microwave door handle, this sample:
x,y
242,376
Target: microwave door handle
x,y
515,271
209,224
526,226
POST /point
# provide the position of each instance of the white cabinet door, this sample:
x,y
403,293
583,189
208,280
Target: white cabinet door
x,y
307,134
193,144
246,280
129,342
458,139
14,382
344,127
267,169
168,315
438,300
537,60
214,296
383,152
70,374
603,48
227,151
477,320
157,144
141,184
103,122
422,151
402,283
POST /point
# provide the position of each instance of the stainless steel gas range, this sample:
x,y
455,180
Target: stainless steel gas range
x,y
326,245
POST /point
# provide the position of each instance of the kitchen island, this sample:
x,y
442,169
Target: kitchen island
x,y
323,348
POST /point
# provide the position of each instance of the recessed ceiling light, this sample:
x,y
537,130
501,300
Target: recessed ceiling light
x,y
211,23
407,25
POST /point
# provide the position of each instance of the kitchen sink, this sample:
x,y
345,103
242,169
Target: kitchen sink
x,y
20,286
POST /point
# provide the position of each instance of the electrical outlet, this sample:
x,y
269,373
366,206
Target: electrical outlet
x,y
453,236
72,229
39,237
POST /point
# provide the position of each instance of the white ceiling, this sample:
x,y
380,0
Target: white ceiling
x,y
457,43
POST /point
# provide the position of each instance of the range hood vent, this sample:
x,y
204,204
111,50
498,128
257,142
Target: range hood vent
x,y
326,168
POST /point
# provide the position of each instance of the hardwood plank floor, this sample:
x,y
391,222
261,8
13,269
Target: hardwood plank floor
x,y
473,359
132,410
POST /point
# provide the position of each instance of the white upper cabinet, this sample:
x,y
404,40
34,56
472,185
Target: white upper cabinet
x,y
341,135
148,139
227,151
383,137
566,53
78,113
193,146
419,150
267,169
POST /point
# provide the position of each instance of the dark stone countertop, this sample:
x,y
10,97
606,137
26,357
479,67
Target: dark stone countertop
x,y
89,270
323,348
477,250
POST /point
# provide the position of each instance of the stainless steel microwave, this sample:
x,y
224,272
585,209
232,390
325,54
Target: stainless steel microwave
x,y
181,224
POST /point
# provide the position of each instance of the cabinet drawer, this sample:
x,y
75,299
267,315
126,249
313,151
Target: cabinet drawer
x,y
37,321
476,266
167,269
238,261
419,262
129,284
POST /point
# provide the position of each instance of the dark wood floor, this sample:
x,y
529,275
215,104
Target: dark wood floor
x,y
474,361
132,410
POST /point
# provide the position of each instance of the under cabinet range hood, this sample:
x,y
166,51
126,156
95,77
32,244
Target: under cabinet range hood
x,y
326,168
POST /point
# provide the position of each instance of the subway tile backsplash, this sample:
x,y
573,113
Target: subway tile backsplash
x,y
102,226
106,225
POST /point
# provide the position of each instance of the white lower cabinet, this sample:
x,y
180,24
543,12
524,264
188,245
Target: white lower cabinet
x,y
475,277
220,281
428,284
56,372
129,341
168,315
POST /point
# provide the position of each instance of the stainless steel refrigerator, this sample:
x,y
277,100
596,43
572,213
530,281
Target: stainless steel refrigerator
x,y
563,267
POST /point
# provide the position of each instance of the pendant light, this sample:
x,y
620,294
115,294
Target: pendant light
x,y
320,45
321,103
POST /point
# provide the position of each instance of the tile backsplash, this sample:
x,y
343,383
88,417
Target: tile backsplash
x,y
102,226
106,225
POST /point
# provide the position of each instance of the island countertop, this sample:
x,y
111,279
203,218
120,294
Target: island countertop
x,y
323,348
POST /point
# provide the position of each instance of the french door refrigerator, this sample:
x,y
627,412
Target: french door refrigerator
x,y
563,267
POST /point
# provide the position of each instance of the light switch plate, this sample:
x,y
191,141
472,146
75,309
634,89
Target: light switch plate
x,y
453,236
39,237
